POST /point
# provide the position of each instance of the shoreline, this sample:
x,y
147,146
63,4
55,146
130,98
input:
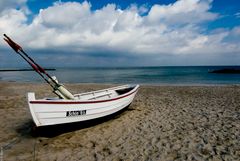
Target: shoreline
x,y
162,123
141,84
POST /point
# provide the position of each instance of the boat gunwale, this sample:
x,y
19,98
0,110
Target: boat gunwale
x,y
134,90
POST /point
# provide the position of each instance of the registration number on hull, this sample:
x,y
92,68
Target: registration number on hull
x,y
76,113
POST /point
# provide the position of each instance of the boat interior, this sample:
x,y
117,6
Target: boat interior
x,y
104,94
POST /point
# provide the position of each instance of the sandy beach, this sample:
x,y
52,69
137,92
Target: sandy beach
x,y
163,123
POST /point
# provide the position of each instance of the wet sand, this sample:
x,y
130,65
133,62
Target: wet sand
x,y
163,123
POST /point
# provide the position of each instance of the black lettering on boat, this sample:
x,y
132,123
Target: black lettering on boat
x,y
76,113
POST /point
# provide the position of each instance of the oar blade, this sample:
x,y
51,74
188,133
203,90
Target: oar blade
x,y
12,44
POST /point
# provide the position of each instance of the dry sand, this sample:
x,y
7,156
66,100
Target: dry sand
x,y
163,123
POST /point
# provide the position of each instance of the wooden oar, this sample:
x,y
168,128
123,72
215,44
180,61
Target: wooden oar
x,y
35,66
18,49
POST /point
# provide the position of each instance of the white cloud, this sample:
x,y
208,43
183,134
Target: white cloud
x,y
237,15
13,4
173,29
11,19
182,12
8,4
63,15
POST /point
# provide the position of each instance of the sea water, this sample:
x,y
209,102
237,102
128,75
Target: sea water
x,y
187,75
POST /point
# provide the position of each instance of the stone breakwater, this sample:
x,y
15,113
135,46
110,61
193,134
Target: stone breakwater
x,y
163,123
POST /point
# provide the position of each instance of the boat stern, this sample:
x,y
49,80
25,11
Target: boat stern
x,y
31,97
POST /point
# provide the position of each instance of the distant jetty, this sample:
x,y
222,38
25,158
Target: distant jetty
x,y
226,71
14,70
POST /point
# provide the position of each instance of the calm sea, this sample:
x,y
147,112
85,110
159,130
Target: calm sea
x,y
142,75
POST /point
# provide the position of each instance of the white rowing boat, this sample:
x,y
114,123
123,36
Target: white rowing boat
x,y
85,106
68,108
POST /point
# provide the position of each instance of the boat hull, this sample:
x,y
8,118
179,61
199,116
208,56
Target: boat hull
x,y
47,112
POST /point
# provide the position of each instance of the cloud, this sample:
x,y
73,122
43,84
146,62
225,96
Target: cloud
x,y
182,12
174,29
9,4
63,15
237,15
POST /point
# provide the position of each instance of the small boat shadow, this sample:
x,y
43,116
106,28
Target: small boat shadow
x,y
28,129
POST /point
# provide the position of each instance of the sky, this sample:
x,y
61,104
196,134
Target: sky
x,y
121,33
